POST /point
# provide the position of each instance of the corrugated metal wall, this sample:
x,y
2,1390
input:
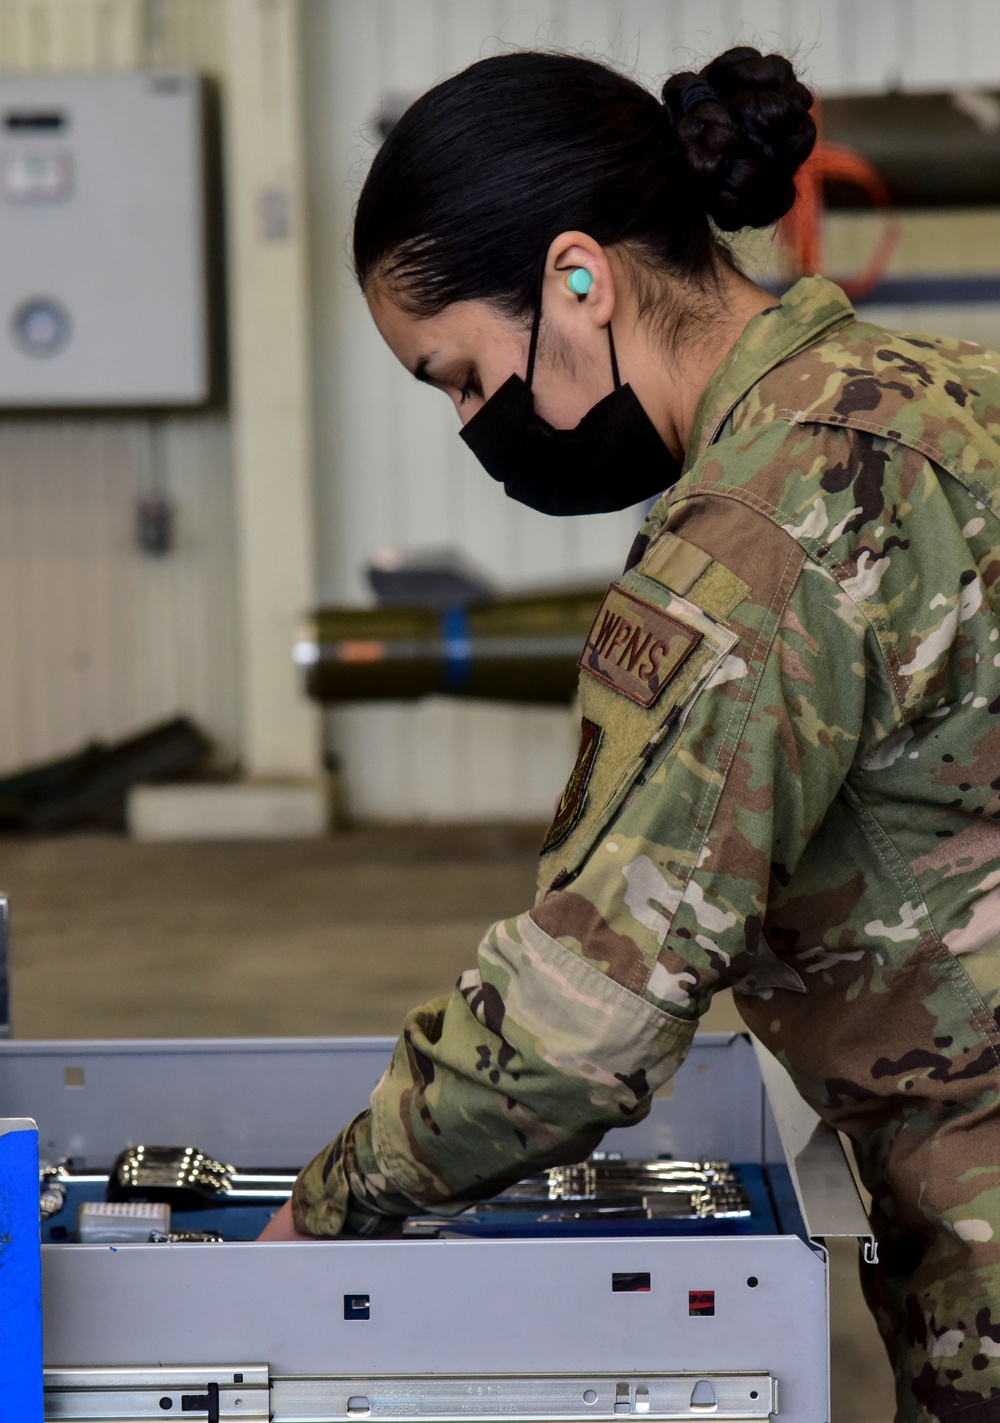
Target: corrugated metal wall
x,y
95,638
392,469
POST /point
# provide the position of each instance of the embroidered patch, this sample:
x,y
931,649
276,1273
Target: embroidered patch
x,y
636,647
574,797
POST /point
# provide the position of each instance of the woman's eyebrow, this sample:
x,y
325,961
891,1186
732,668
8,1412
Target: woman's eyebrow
x,y
421,371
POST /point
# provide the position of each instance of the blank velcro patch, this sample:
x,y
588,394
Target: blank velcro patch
x,y
636,647
675,563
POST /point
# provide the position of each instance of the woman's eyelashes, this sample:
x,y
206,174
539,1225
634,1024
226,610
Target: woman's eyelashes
x,y
471,387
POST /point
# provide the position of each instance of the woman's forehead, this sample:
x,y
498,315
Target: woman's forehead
x,y
465,329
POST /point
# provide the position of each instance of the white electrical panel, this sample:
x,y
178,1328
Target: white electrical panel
x,y
102,240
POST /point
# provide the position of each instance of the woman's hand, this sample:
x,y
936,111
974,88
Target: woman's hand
x,y
281,1226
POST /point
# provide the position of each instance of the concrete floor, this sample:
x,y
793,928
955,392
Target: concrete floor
x,y
117,939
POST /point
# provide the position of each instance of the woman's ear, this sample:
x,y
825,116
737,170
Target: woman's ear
x,y
579,283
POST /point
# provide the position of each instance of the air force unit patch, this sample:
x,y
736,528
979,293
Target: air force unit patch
x,y
574,797
636,647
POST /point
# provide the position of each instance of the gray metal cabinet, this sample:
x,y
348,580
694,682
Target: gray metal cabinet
x,y
102,240
532,1329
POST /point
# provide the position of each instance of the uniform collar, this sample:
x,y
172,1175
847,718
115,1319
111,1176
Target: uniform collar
x,y
807,311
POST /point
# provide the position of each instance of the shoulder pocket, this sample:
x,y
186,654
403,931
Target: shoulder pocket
x,y
647,656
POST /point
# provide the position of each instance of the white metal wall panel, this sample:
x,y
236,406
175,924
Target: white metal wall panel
x,y
95,638
66,638
103,639
391,467
95,641
187,613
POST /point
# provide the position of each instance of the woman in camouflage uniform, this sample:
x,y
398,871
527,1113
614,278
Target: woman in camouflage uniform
x,y
789,771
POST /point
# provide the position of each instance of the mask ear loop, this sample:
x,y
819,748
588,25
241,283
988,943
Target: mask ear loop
x,y
536,323
533,347
614,360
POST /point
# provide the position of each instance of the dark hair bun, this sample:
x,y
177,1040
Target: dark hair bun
x,y
744,128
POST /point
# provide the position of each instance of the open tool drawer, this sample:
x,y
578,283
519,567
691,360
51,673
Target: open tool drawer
x,y
704,1325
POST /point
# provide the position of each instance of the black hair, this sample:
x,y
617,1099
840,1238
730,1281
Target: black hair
x,y
482,172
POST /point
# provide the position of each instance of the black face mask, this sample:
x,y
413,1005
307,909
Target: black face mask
x,y
613,459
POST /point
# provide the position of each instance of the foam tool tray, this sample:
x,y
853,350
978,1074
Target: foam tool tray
x,y
614,1196
208,1200
607,1195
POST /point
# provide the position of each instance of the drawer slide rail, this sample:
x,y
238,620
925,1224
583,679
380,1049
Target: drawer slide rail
x,y
247,1392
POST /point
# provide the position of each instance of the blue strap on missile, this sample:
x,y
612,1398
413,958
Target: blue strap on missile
x,y
457,649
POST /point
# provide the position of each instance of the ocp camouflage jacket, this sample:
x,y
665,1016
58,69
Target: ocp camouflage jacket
x,y
788,783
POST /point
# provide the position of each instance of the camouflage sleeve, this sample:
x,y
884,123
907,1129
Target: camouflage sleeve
x,y
694,792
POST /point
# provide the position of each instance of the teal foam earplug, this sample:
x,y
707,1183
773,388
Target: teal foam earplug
x,y
580,281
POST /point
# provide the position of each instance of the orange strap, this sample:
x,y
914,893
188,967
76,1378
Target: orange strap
x,y
802,229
